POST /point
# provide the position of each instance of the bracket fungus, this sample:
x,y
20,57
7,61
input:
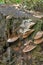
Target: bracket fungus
x,y
27,33
38,38
38,41
10,40
38,35
29,48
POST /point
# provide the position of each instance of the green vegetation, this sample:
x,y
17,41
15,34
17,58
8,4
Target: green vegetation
x,y
9,1
34,4
31,4
1,1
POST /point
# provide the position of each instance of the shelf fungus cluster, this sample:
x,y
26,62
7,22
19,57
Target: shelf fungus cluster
x,y
38,37
30,45
23,32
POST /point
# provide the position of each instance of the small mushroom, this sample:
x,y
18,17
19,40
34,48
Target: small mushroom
x,y
29,48
38,35
9,17
38,41
27,43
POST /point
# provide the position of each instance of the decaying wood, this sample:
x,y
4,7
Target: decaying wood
x,y
16,49
38,16
7,10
